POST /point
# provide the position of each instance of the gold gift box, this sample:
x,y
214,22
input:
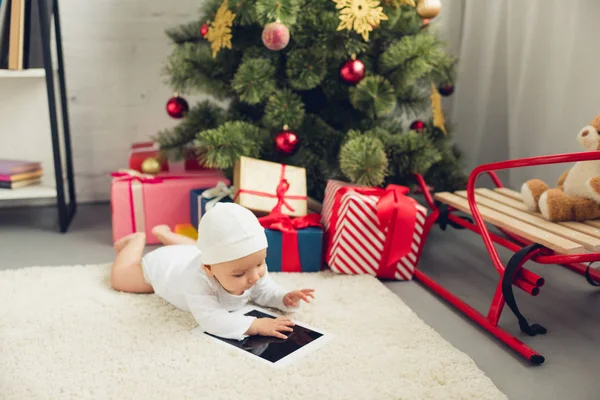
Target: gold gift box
x,y
257,182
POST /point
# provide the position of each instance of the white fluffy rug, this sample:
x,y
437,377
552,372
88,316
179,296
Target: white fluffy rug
x,y
65,334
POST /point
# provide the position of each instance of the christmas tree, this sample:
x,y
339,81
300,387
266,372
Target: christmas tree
x,y
334,86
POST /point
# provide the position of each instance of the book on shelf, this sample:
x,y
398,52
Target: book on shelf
x,y
23,176
19,173
20,34
19,184
13,167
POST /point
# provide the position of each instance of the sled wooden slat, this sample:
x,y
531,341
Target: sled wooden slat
x,y
510,201
517,196
501,198
589,242
520,228
510,193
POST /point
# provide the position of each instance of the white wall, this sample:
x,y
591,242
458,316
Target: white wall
x,y
114,53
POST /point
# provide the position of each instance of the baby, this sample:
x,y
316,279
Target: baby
x,y
219,273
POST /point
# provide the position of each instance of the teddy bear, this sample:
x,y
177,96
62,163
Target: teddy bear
x,y
577,196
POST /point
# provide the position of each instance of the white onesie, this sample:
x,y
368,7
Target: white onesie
x,y
176,274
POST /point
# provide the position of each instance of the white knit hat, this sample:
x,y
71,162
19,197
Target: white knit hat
x,y
228,232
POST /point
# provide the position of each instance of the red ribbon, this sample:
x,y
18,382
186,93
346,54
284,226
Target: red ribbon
x,y
395,211
290,251
131,175
280,194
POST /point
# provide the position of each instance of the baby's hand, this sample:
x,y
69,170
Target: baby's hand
x,y
271,327
291,299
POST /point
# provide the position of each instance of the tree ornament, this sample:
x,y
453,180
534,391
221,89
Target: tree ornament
x,y
353,71
429,8
150,166
219,33
436,106
204,29
446,89
275,36
418,126
177,106
360,15
286,142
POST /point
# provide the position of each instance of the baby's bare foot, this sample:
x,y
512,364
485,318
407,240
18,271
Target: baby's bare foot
x,y
121,243
160,230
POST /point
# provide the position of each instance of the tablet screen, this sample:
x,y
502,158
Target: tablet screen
x,y
270,348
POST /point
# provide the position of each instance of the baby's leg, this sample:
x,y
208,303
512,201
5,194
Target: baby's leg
x,y
168,237
126,274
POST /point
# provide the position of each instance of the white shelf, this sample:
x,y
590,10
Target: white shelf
x,y
25,73
28,192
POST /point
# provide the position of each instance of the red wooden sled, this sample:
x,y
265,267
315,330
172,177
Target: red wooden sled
x,y
527,234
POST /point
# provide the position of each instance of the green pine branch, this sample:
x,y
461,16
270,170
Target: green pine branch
x,y
411,59
363,160
410,153
284,107
305,69
191,67
202,116
272,10
405,21
412,100
374,96
448,174
255,80
221,147
185,33
244,10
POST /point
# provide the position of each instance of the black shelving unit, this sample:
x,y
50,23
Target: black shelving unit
x,y
66,205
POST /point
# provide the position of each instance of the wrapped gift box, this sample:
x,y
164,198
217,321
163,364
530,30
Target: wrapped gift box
x,y
139,202
202,200
265,187
295,244
143,150
372,230
186,230
190,160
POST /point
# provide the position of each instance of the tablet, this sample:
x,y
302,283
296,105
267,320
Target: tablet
x,y
302,342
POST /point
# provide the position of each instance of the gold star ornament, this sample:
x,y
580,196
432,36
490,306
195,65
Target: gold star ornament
x,y
436,106
360,15
219,32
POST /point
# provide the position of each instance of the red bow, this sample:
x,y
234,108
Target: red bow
x,y
289,227
396,213
280,194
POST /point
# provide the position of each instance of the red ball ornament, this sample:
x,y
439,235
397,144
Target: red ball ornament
x,y
418,126
275,36
446,89
204,30
177,107
353,71
286,142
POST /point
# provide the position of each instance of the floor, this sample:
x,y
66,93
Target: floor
x,y
568,306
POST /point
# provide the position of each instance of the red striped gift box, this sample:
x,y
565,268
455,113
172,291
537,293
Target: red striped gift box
x,y
376,231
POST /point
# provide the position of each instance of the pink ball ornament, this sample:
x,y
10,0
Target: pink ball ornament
x,y
275,36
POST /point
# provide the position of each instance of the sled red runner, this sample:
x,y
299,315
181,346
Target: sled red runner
x,y
527,234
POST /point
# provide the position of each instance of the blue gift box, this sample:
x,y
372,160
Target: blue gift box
x,y
204,198
309,249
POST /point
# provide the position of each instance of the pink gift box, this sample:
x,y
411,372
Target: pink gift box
x,y
140,202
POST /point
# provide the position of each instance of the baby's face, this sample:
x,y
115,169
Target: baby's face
x,y
240,275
